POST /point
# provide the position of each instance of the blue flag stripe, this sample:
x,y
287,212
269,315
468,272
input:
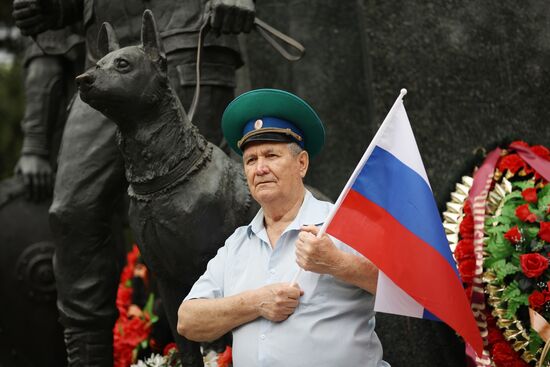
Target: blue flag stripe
x,y
404,194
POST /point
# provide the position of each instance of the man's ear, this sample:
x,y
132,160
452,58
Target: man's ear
x,y
150,37
303,160
107,40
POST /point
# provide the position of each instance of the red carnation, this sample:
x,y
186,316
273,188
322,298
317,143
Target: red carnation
x,y
541,151
464,249
466,227
513,235
533,265
467,270
537,300
511,162
530,195
123,299
544,231
524,214
226,358
168,348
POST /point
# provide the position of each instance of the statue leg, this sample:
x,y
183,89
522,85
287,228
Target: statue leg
x,y
217,85
90,181
172,296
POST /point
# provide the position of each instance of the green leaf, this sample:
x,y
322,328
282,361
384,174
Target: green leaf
x,y
499,248
500,219
535,341
503,269
498,229
509,211
531,231
514,298
513,196
524,184
148,309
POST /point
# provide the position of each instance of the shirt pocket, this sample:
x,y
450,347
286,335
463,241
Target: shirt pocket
x,y
314,287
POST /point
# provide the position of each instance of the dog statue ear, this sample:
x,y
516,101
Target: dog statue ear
x,y
150,38
107,40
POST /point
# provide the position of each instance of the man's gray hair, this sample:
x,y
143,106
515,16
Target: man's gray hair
x,y
294,148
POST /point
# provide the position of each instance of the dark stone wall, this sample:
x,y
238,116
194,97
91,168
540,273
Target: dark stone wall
x,y
477,76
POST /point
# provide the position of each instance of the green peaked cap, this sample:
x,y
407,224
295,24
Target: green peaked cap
x,y
260,103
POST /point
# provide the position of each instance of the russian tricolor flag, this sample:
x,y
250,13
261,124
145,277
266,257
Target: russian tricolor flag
x,y
388,213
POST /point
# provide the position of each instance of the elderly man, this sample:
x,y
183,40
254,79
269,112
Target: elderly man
x,y
326,318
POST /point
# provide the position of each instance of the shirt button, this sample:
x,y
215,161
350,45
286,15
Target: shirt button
x,y
262,336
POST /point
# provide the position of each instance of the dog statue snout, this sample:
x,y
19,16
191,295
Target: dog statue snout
x,y
85,81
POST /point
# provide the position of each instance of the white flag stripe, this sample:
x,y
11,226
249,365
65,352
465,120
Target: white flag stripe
x,y
391,299
398,139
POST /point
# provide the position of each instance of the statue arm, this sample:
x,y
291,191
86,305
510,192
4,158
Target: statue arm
x,y
36,16
43,89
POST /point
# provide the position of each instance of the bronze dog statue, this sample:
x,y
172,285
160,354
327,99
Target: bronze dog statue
x,y
186,195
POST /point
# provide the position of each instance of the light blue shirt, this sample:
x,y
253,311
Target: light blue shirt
x,y
333,324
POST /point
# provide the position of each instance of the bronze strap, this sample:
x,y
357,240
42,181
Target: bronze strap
x,y
269,33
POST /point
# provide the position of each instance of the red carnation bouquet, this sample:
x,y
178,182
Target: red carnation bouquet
x,y
502,250
133,342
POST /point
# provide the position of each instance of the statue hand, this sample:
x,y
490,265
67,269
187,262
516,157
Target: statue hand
x,y
30,17
232,16
37,175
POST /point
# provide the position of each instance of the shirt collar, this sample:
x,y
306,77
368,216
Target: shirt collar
x,y
311,212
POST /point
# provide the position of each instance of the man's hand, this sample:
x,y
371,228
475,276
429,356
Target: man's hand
x,y
278,301
31,17
232,16
37,175
318,255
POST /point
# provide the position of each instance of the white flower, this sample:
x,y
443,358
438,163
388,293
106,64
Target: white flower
x,y
155,360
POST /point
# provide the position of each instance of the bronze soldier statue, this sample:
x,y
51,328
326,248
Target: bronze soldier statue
x,y
90,177
27,283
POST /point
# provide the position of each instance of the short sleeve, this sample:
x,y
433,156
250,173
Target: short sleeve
x,y
211,283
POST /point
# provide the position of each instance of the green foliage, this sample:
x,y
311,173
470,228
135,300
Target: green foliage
x,y
503,269
514,298
11,113
499,249
535,342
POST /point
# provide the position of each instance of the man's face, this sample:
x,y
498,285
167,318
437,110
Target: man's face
x,y
273,172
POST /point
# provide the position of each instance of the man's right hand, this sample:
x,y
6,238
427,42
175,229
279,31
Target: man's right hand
x,y
37,175
278,301
31,17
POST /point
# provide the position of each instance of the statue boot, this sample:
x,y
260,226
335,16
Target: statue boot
x,y
90,348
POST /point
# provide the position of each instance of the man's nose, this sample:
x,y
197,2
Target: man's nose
x,y
261,167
